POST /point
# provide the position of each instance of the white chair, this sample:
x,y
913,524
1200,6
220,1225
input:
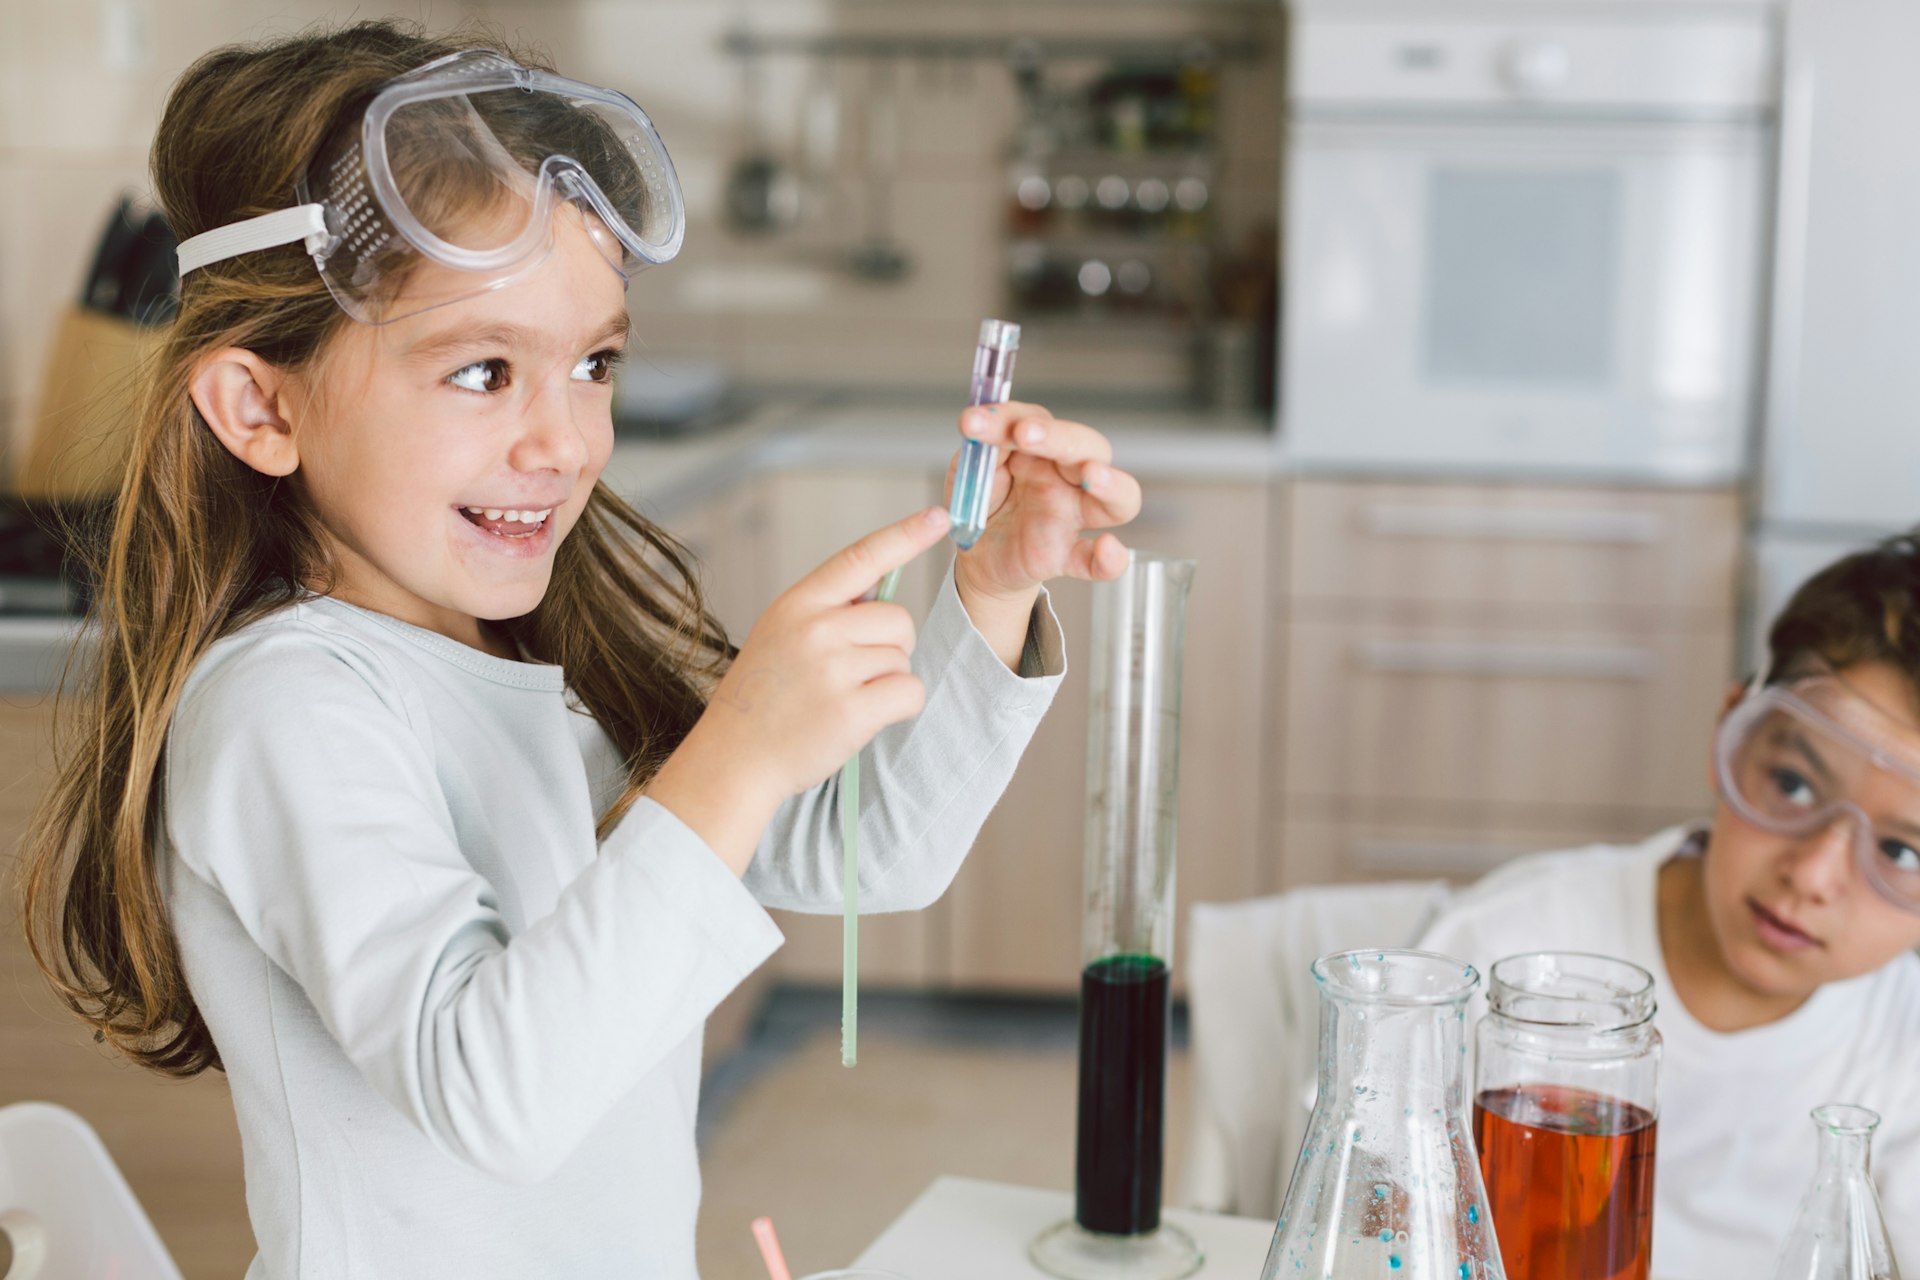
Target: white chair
x,y
65,1211
1255,1017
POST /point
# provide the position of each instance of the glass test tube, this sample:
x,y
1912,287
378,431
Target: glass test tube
x,y
992,384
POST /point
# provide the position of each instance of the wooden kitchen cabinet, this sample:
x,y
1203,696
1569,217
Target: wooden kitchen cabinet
x,y
1468,671
1391,716
1320,849
1617,558
727,535
1011,921
1013,917
810,514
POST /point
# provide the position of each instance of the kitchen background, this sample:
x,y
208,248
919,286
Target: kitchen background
x,y
1503,362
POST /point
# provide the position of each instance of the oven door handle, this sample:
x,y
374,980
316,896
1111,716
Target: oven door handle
x,y
1442,658
1517,524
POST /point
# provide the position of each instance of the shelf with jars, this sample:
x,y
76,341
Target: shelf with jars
x,y
1110,195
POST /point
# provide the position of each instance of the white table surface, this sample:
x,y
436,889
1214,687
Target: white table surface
x,y
966,1229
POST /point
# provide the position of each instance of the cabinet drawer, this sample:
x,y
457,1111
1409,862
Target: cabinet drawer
x,y
1534,718
1644,555
1330,850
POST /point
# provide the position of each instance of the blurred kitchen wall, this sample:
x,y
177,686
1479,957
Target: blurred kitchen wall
x,y
81,88
82,85
781,307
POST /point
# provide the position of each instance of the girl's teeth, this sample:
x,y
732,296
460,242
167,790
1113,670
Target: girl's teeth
x,y
510,515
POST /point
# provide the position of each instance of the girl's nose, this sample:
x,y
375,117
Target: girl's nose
x,y
1820,867
552,439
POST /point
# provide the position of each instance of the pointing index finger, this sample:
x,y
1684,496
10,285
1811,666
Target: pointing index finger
x,y
859,568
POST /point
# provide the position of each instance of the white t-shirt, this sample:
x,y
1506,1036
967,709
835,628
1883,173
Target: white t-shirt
x,y
1736,1148
463,1033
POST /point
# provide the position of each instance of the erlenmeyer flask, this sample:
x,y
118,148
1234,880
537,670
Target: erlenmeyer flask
x,y
1839,1233
1386,1184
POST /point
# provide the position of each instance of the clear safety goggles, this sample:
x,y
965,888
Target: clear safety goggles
x,y
464,162
1793,759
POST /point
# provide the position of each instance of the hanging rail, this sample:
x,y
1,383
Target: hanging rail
x,y
1016,50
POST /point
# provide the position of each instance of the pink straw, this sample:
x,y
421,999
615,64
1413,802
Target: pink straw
x,y
770,1249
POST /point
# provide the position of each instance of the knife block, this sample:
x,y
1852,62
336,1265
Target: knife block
x,y
84,423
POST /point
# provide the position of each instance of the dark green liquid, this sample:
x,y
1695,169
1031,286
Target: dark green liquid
x,y
1123,1091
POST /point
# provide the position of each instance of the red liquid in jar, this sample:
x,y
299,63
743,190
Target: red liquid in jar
x,y
1569,1178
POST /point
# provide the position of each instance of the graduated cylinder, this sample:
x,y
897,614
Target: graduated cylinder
x,y
1133,780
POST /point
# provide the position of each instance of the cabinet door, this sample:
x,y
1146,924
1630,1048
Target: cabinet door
x,y
1382,718
809,516
1015,909
1518,553
1325,850
728,536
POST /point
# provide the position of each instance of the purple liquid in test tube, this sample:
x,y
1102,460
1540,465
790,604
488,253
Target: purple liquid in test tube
x,y
992,384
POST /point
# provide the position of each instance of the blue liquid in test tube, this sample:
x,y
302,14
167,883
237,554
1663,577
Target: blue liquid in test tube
x,y
992,384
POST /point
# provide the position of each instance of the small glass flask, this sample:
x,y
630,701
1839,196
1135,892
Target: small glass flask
x,y
1386,1186
1565,1117
1839,1233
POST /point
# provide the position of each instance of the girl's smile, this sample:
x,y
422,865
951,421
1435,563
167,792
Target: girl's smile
x,y
516,533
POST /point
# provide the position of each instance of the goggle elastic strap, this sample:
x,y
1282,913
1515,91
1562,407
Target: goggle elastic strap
x,y
306,222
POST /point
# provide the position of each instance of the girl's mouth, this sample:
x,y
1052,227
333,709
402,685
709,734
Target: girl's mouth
x,y
504,523
1777,933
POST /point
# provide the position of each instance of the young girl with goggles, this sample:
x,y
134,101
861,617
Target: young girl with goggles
x,y
1780,935
1810,754
413,785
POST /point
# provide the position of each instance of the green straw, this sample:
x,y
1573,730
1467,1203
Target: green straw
x,y
850,886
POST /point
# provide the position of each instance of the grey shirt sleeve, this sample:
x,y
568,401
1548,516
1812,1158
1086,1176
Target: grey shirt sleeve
x,y
926,785
299,789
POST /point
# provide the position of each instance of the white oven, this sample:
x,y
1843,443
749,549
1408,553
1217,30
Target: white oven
x,y
1530,240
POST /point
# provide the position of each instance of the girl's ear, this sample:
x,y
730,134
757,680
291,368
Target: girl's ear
x,y
239,395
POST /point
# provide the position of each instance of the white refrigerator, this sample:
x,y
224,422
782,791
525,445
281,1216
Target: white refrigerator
x,y
1840,448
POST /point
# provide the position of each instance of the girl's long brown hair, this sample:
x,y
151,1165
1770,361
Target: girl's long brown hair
x,y
201,545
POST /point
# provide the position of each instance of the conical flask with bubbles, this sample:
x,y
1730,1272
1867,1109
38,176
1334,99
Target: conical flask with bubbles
x,y
1839,1233
1387,1186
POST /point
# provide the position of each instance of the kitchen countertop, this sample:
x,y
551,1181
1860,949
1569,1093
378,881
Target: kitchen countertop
x,y
665,477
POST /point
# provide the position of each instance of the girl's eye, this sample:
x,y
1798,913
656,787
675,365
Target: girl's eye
x,y
597,367
482,376
1794,788
1901,855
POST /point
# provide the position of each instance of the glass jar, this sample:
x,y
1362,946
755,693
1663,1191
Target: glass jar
x,y
1565,1115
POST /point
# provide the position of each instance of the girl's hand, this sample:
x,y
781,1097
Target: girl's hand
x,y
1055,480
819,675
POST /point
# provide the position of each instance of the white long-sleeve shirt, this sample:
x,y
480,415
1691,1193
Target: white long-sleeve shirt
x,y
1735,1149
463,1035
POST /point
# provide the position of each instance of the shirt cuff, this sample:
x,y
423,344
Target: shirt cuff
x,y
950,639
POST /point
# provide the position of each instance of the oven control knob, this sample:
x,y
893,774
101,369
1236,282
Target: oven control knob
x,y
1537,66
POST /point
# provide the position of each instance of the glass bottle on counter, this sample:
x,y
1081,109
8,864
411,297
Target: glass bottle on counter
x,y
1565,1117
1133,776
1386,1186
1840,1233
